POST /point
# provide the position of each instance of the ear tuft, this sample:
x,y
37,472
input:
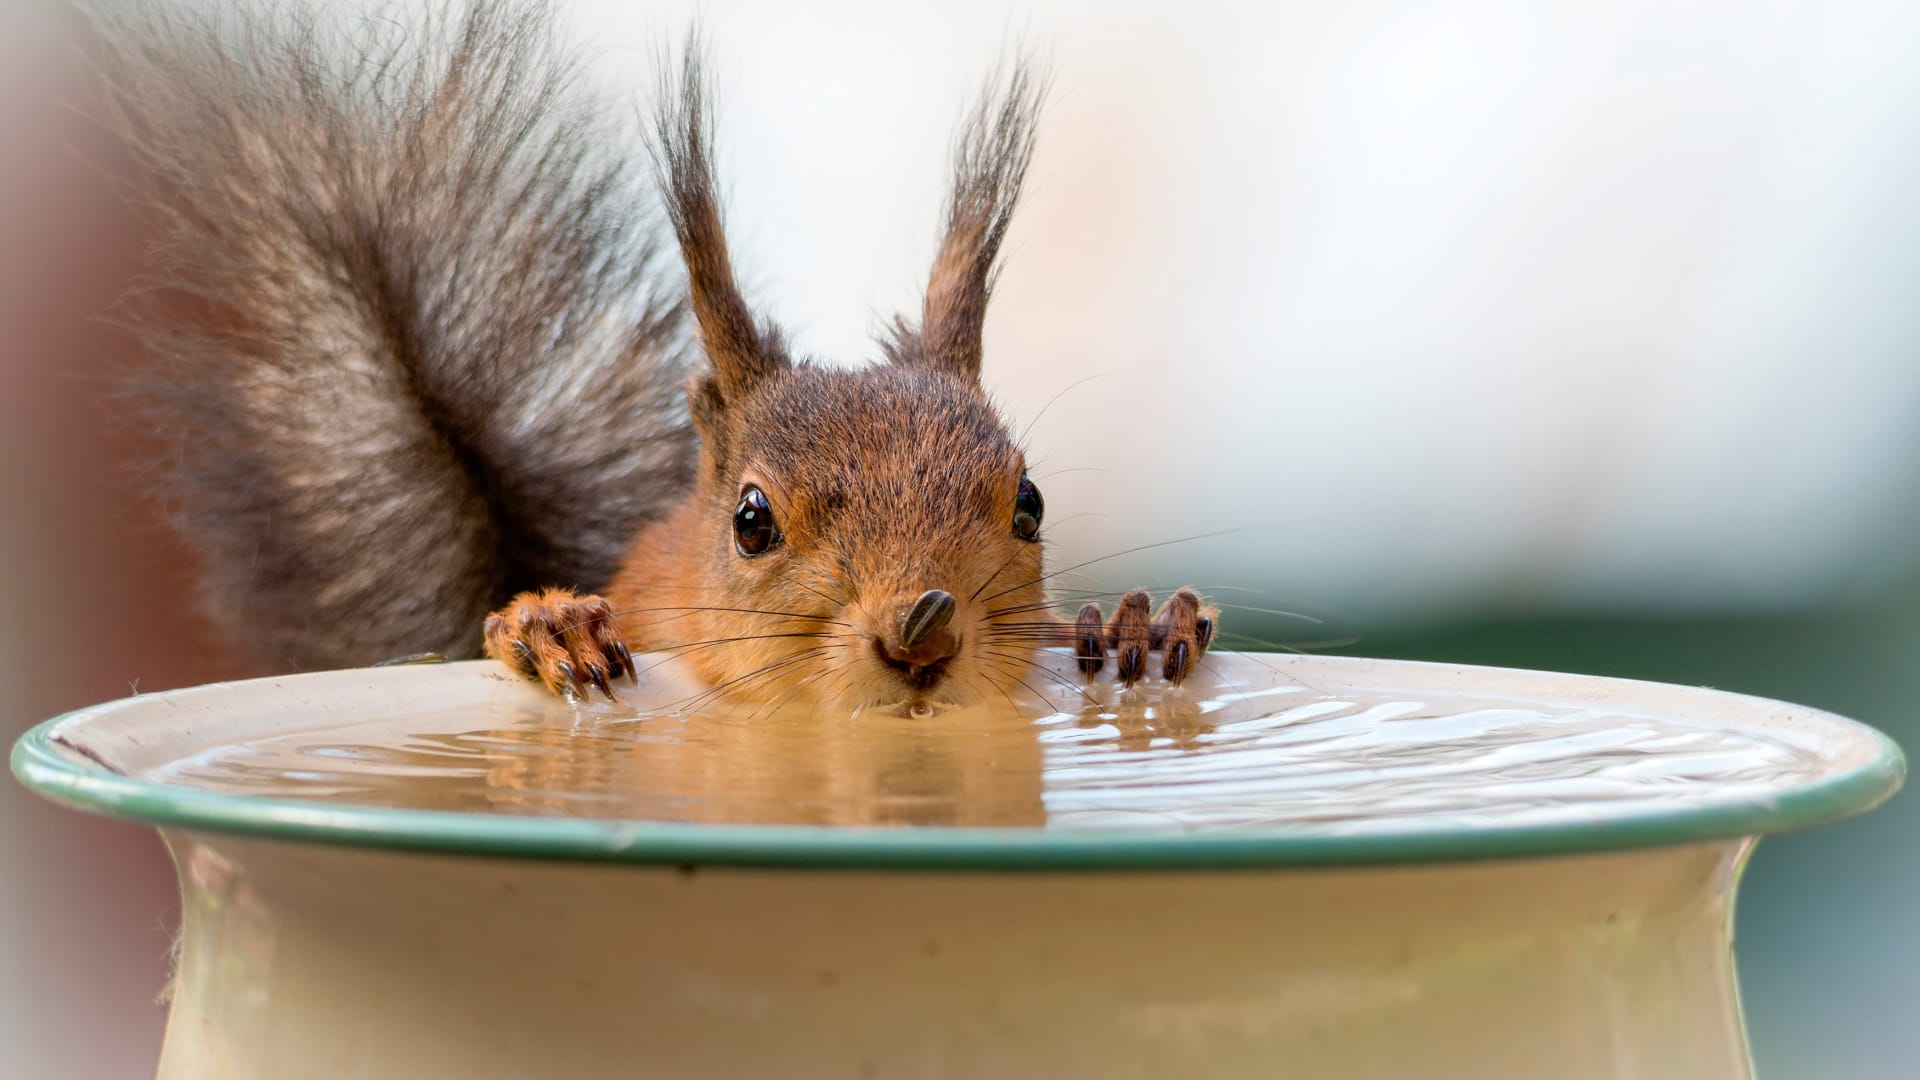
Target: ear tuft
x,y
991,155
742,351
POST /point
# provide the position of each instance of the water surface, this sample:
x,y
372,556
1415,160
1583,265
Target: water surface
x,y
1244,744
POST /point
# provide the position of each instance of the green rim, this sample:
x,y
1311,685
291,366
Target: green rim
x,y
60,774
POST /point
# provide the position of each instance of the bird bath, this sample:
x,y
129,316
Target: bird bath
x,y
1322,866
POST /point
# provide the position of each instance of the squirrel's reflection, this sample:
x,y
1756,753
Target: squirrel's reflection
x,y
964,767
976,767
960,768
1140,726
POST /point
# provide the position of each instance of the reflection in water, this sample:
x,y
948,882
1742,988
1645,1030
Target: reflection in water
x,y
545,758
1242,745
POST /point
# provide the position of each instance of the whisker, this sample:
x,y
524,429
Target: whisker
x,y
1047,533
1160,586
1082,595
1298,648
795,692
838,683
817,592
805,654
1276,671
998,689
684,648
1011,674
1043,669
996,573
1050,603
740,686
1128,551
1075,469
687,612
738,611
683,586
1062,634
1060,623
1301,615
1070,387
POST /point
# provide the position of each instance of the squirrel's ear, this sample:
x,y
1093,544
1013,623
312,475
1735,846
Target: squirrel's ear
x,y
990,160
742,350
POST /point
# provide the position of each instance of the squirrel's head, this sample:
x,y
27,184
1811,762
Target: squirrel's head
x,y
866,536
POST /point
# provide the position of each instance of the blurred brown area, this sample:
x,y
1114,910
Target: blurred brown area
x,y
94,586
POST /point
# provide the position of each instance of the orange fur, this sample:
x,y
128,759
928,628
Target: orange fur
x,y
885,483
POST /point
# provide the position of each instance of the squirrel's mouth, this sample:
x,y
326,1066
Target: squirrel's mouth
x,y
920,676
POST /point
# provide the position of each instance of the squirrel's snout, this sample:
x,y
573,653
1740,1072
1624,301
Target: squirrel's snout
x,y
923,643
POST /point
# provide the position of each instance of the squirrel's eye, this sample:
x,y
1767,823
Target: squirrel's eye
x,y
1027,508
753,530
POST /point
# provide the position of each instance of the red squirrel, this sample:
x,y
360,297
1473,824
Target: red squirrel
x,y
437,385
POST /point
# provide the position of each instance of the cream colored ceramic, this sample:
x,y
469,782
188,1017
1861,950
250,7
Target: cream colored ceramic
x,y
329,940
327,962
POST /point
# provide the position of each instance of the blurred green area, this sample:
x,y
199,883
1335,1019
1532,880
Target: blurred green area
x,y
1829,942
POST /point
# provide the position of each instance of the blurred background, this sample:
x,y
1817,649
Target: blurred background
x,y
1577,336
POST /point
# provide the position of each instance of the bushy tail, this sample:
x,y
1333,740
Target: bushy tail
x,y
420,345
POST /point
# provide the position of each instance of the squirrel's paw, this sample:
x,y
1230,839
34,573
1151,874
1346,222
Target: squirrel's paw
x,y
565,642
1181,633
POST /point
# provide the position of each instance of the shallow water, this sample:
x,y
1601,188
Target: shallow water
x,y
1243,745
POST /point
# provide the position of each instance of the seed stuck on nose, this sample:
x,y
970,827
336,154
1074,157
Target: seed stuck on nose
x,y
927,616
925,644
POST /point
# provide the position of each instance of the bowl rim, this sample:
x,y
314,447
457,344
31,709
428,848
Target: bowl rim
x,y
57,771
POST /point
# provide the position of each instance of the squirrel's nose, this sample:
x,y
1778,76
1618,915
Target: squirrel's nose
x,y
924,643
928,615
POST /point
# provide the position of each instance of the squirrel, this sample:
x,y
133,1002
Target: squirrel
x,y
436,383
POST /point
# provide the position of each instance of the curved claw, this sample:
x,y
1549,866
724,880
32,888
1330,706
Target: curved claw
x,y
599,676
524,652
1176,665
1090,649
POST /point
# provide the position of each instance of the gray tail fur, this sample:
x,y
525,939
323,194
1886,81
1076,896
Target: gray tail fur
x,y
420,346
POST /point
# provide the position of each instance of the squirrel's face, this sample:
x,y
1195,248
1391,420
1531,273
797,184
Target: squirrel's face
x,y
867,537
879,535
